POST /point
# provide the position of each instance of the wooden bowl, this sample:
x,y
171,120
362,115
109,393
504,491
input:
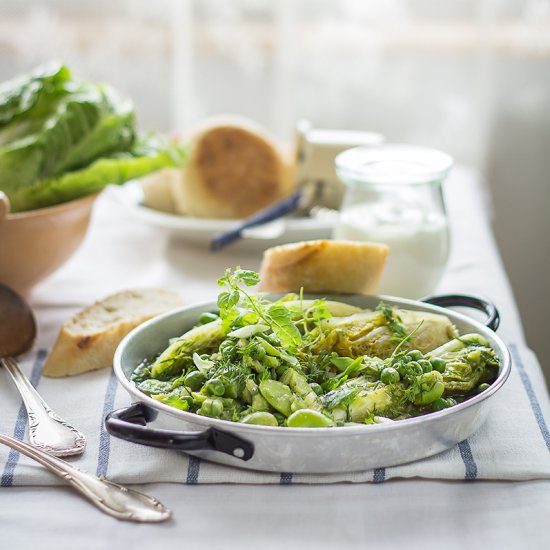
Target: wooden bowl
x,y
34,244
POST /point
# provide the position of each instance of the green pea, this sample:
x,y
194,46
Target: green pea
x,y
260,418
316,388
442,403
309,418
426,365
389,375
228,349
194,380
214,386
207,317
438,364
482,387
415,355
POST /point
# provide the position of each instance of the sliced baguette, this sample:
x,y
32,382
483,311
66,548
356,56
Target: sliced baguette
x,y
88,340
323,266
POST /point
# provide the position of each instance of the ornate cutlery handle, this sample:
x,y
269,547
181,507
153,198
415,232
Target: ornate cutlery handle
x,y
111,498
47,430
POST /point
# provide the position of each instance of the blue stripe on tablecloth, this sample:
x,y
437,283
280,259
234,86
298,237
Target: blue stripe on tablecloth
x,y
104,440
535,405
379,475
468,459
21,422
286,478
193,470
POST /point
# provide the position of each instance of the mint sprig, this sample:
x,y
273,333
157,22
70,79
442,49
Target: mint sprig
x,y
276,315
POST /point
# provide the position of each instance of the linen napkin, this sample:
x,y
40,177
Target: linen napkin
x,y
514,443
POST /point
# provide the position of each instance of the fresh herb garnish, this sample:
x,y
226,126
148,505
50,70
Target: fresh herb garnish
x,y
392,320
276,315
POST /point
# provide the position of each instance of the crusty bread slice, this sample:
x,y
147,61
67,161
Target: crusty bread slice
x,y
88,340
234,169
323,266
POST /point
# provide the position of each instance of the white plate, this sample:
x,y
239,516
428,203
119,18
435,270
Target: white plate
x,y
201,230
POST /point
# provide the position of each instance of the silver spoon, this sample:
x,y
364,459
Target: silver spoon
x,y
111,498
47,430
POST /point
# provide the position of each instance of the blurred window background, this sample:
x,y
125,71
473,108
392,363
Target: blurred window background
x,y
470,77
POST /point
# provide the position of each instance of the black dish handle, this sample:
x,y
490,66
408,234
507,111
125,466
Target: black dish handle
x,y
130,424
463,300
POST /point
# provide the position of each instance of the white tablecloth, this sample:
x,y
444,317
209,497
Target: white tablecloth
x,y
119,254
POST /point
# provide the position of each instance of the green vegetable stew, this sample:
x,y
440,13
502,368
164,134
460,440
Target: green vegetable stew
x,y
312,363
62,138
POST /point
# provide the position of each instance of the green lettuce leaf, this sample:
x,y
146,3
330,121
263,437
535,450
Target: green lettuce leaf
x,y
61,139
94,177
21,94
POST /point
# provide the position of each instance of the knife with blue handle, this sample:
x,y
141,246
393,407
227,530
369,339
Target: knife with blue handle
x,y
278,210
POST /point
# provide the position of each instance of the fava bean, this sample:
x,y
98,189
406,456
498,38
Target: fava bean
x,y
231,389
207,317
194,380
260,418
212,408
271,362
277,395
268,347
429,387
308,418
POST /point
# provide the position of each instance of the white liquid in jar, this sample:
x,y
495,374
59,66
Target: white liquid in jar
x,y
418,244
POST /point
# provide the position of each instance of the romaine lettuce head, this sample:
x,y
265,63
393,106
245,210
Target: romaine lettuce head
x,y
470,361
61,139
369,333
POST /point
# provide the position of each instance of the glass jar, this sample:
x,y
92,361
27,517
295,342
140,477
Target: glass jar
x,y
394,196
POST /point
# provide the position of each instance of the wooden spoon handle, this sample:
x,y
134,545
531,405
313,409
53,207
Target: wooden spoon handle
x,y
4,206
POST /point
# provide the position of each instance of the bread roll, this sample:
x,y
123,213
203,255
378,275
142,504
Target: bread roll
x,y
88,340
323,266
157,189
233,170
